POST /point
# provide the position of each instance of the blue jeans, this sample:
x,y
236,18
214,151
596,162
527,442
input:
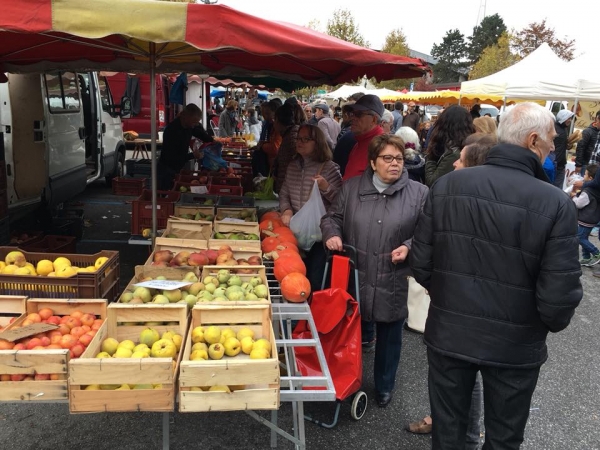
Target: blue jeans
x,y
388,347
587,248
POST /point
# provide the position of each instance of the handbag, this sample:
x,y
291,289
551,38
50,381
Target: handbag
x,y
306,223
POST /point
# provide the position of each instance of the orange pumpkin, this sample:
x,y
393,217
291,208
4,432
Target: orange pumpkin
x,y
288,264
283,245
285,235
269,225
295,287
269,244
271,215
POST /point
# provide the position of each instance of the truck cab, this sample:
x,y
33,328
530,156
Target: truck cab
x,y
61,132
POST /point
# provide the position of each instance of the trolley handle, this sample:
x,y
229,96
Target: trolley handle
x,y
350,252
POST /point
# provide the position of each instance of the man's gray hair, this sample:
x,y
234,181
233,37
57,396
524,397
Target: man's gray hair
x,y
387,116
522,120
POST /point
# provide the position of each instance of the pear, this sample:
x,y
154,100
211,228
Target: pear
x,y
236,296
223,276
235,280
251,297
210,287
261,291
255,281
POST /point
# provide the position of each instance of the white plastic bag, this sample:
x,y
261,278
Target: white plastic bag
x,y
306,223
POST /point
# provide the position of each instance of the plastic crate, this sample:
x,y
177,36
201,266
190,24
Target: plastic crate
x,y
138,166
141,209
68,222
4,231
52,244
225,181
191,176
236,202
189,187
216,189
103,283
191,199
128,186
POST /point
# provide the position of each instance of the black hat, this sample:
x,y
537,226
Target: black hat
x,y
371,103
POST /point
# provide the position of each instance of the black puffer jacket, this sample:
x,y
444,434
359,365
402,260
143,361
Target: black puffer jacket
x,y
375,224
560,145
497,248
586,145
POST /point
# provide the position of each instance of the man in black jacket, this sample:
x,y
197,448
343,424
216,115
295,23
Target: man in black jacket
x,y
561,126
496,247
176,145
587,144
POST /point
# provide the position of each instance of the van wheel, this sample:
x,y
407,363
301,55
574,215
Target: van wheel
x,y
119,169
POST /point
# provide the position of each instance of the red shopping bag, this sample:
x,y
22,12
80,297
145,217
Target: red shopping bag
x,y
337,318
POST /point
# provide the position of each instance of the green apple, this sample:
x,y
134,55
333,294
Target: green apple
x,y
126,297
243,332
200,354
103,355
149,336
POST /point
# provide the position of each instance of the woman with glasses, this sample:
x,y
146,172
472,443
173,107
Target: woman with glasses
x,y
312,161
376,213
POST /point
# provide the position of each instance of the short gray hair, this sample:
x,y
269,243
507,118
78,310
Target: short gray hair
x,y
407,134
387,116
522,120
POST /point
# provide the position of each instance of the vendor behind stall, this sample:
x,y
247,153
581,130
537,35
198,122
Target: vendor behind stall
x,y
176,145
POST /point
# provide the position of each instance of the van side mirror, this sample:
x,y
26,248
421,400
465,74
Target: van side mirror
x,y
125,107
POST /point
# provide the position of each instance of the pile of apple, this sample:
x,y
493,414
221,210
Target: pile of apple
x,y
212,343
151,345
15,263
74,333
221,257
146,295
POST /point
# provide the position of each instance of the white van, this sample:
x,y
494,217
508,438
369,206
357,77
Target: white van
x,y
61,131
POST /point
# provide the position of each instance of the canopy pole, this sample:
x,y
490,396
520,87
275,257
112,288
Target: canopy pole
x,y
153,137
572,127
204,102
459,98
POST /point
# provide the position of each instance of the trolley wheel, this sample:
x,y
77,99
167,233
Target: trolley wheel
x,y
359,405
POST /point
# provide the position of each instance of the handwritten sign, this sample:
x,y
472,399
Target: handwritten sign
x,y
26,331
199,189
165,285
233,220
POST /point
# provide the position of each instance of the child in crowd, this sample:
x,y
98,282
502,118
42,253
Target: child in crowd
x,y
587,202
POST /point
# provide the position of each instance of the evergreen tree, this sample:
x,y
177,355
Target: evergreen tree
x,y
451,55
485,35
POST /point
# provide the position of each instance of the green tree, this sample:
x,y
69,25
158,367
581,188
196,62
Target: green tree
x,y
494,58
343,26
534,34
396,44
485,35
451,55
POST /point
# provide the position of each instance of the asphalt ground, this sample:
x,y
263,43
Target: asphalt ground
x,y
565,408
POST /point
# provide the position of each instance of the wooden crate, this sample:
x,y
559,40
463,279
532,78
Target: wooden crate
x,y
227,227
89,370
236,213
197,230
188,209
31,362
259,271
259,377
11,307
170,273
240,250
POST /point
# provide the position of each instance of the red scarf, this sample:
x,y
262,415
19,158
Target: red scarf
x,y
359,159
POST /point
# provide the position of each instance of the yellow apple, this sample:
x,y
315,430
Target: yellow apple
x,y
198,335
197,355
163,348
247,343
244,332
110,345
212,335
123,352
199,346
149,336
259,353
262,343
216,351
219,388
103,355
232,346
227,332
128,344
178,341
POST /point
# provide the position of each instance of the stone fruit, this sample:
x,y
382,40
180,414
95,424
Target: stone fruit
x,y
148,337
109,346
212,335
232,346
247,343
163,348
216,351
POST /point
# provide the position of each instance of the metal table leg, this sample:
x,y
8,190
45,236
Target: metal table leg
x,y
165,428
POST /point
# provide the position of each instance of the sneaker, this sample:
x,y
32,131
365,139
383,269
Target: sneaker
x,y
368,345
585,261
595,259
594,232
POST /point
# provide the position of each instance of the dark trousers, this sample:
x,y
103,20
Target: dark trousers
x,y
315,265
165,177
587,248
507,398
387,354
559,178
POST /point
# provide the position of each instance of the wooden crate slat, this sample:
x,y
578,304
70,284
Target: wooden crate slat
x,y
253,399
25,391
121,371
31,362
158,400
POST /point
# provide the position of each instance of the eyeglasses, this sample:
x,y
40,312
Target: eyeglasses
x,y
304,139
389,158
359,114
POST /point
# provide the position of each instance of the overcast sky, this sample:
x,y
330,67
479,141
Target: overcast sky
x,y
425,23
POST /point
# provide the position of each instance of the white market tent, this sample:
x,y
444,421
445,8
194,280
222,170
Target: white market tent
x,y
345,92
522,80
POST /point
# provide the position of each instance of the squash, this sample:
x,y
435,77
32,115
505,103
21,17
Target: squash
x,y
285,235
295,287
269,244
269,225
270,215
286,264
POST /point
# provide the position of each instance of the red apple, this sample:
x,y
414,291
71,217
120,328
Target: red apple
x,y
198,259
77,350
212,256
163,256
41,376
17,377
